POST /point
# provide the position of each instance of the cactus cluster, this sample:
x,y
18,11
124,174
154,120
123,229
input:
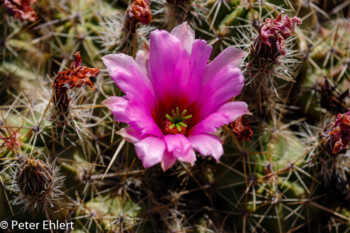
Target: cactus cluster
x,y
285,168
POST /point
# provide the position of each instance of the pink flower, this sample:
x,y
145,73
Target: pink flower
x,y
174,100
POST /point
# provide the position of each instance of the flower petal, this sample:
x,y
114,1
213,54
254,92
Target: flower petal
x,y
168,66
225,85
168,160
142,57
207,144
229,57
224,115
185,34
198,61
150,150
117,105
180,147
130,134
129,77
141,119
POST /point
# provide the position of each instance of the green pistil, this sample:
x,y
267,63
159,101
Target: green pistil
x,y
178,119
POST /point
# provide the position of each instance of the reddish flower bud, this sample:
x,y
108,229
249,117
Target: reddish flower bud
x,y
270,43
141,11
241,129
21,9
339,136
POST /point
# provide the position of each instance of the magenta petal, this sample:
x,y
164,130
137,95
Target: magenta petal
x,y
207,144
117,105
168,66
225,114
185,34
229,57
129,77
225,84
168,160
186,156
141,119
180,147
198,61
130,134
150,150
142,57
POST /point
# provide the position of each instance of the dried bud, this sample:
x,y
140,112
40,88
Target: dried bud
x,y
139,11
21,9
75,76
270,43
35,181
241,129
34,178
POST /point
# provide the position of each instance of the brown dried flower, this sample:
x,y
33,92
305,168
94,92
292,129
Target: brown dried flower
x,y
241,129
75,76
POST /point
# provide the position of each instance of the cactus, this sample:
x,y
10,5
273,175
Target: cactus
x,y
285,168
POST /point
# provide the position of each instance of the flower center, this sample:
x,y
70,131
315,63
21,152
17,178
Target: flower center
x,y
176,123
